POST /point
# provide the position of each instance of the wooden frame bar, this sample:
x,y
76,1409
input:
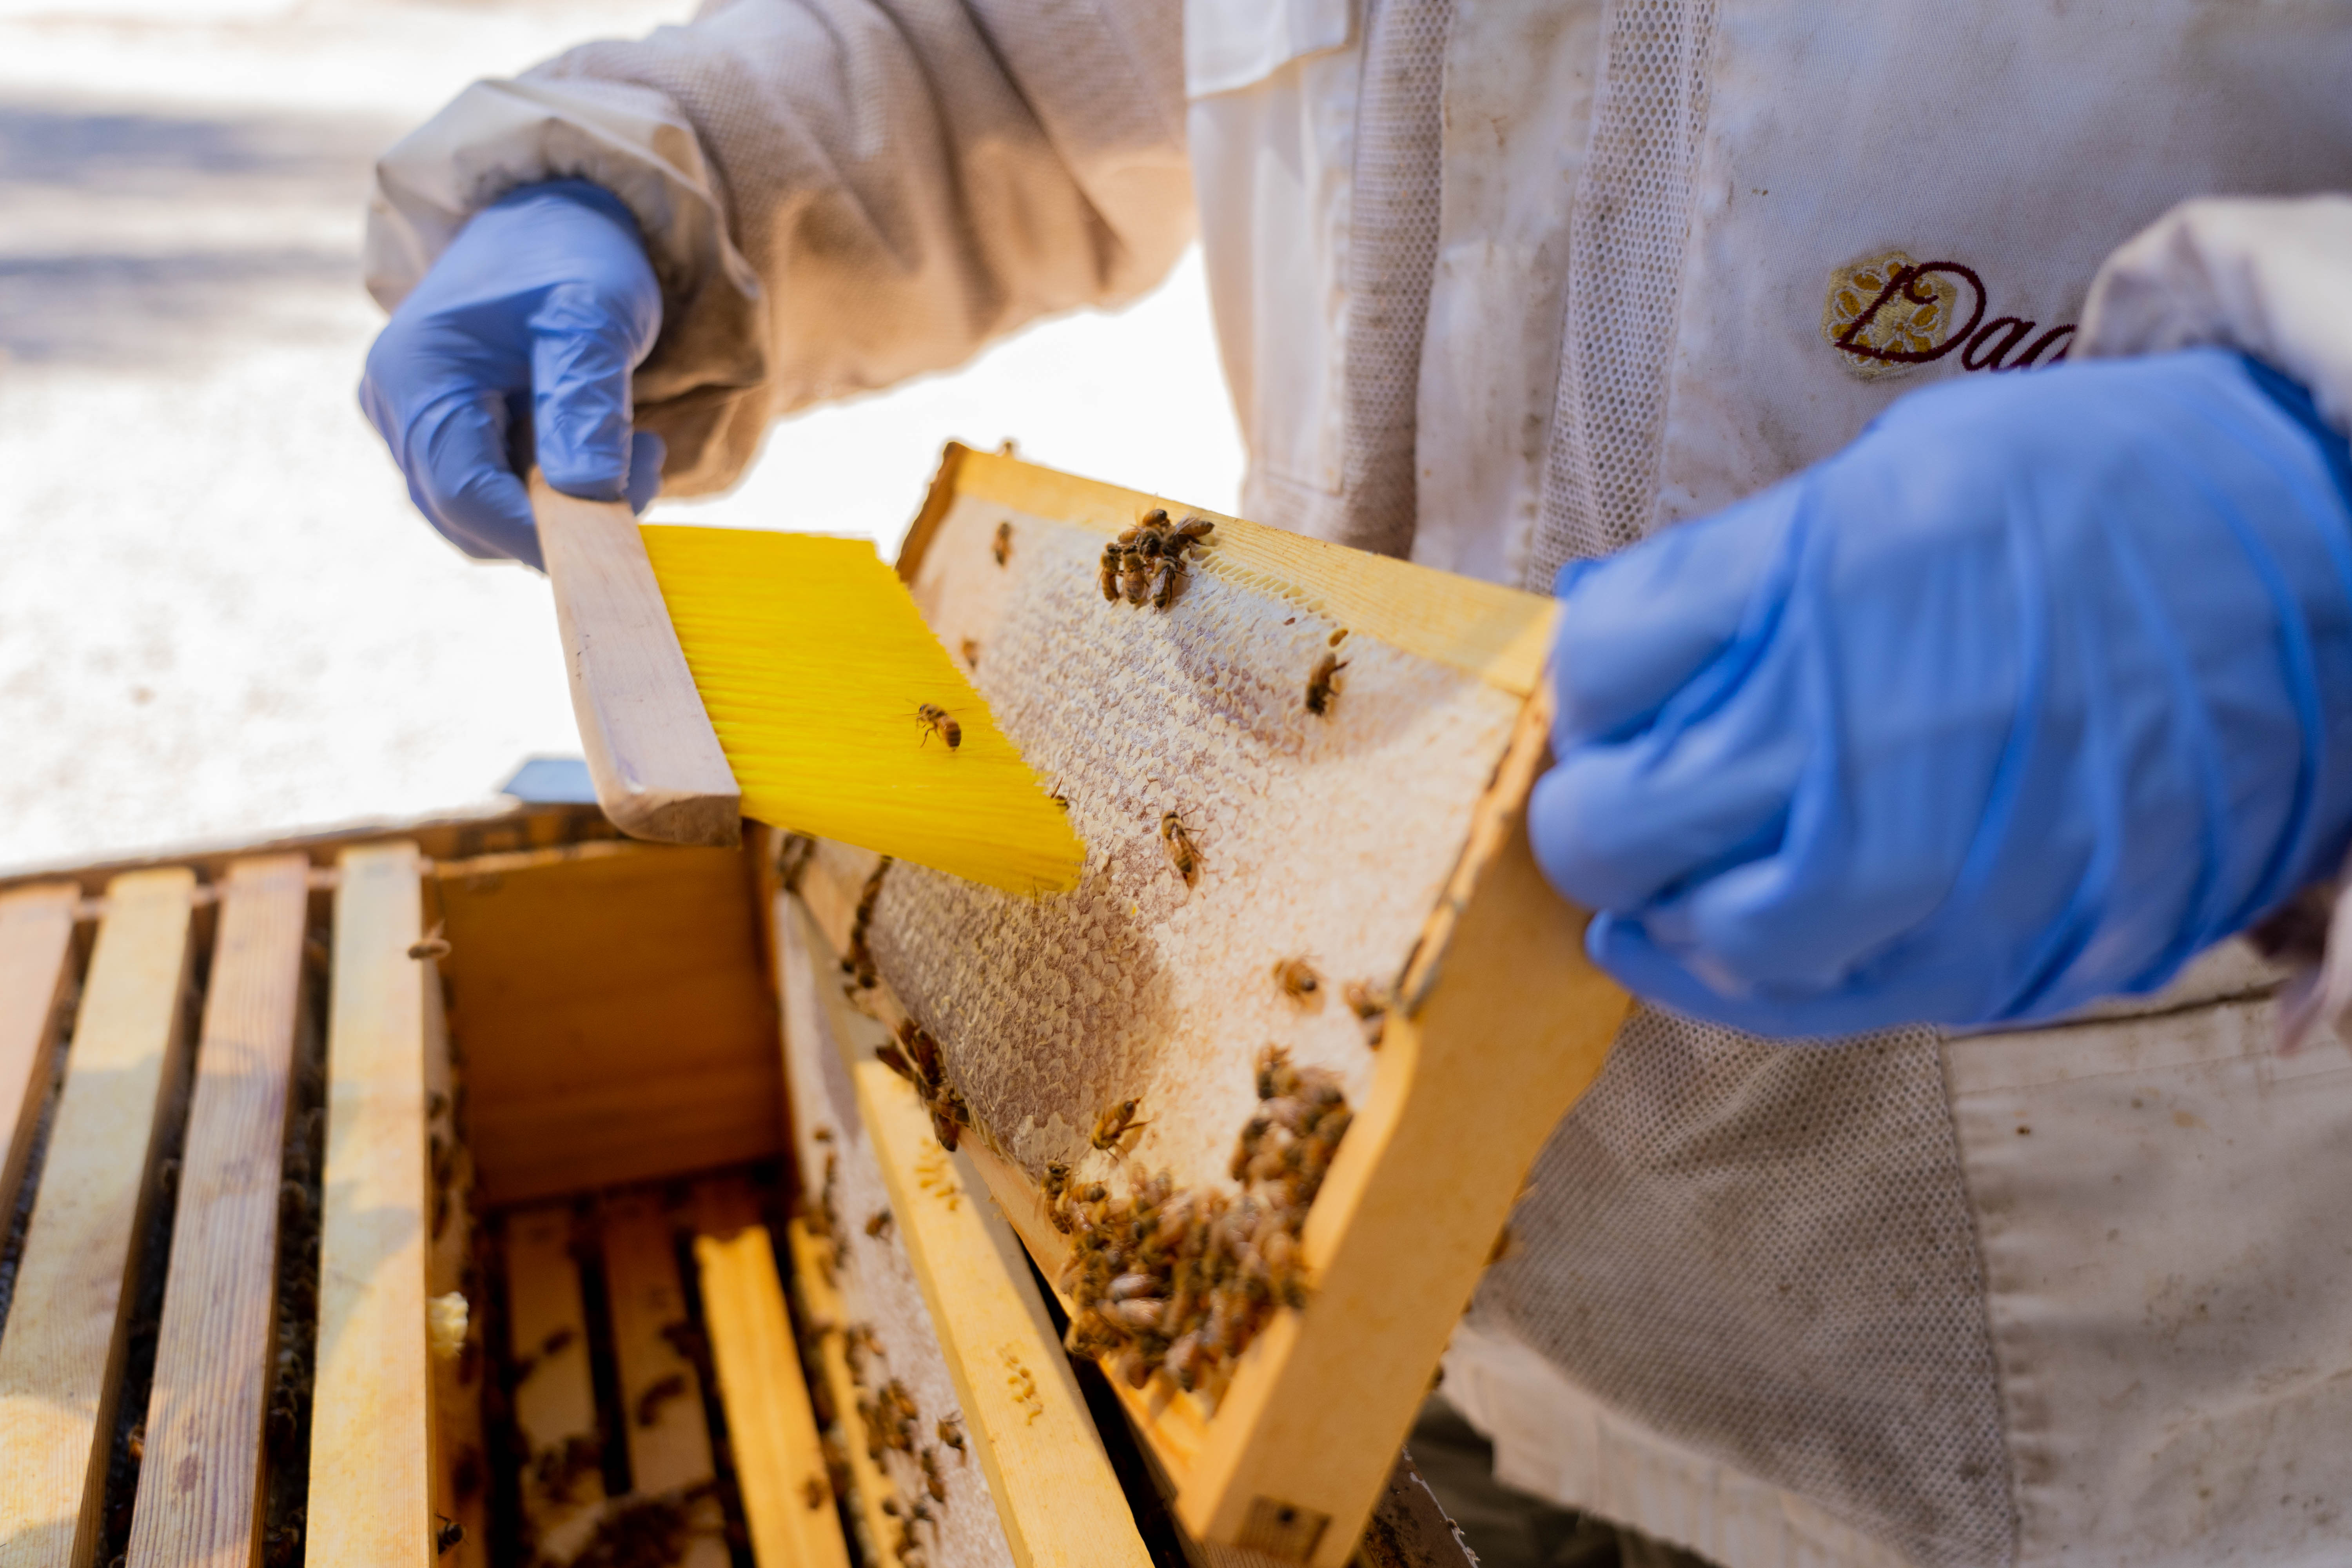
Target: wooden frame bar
x,y
370,1486
1488,1056
35,940
825,1315
61,1354
199,1497
779,1458
460,1462
661,1402
1060,1502
555,1396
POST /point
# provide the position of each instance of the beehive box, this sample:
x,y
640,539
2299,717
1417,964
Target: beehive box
x,y
269,1115
1301,784
263,1303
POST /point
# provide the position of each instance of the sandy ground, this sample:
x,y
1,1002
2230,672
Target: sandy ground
x,y
217,614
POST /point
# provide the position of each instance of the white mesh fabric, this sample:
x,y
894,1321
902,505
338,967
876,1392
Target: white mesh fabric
x,y
1766,1252
1763,1252
1625,265
1392,251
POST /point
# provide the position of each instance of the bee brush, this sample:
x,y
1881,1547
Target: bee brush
x,y
659,771
789,678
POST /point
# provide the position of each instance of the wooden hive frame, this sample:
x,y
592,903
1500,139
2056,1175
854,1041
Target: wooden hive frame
x,y
1496,1026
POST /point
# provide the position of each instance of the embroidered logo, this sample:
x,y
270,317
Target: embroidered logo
x,y
1886,314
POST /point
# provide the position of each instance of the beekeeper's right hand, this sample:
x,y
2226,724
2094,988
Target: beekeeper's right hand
x,y
544,303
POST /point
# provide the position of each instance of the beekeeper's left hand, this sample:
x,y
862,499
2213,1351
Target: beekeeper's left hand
x,y
2039,687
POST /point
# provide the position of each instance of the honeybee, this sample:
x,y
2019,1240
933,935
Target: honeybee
x,y
950,1116
1003,548
1300,981
1321,685
1277,1079
450,1534
971,652
659,1394
915,1056
933,1481
878,1223
1091,1334
858,963
1370,1005
1115,1125
896,1406
1183,854
950,1433
1165,580
1143,1312
1147,562
1058,1195
815,1493
937,720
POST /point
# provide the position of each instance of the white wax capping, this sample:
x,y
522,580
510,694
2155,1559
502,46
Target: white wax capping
x,y
445,1324
1329,838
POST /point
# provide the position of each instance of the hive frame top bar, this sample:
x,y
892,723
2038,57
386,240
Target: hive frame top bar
x,y
1501,635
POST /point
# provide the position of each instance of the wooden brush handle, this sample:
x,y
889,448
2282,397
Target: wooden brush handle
x,y
658,769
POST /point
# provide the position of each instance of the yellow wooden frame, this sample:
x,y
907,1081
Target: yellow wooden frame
x,y
1500,1025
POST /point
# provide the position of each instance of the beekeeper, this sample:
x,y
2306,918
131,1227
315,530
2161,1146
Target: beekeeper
x,y
1999,358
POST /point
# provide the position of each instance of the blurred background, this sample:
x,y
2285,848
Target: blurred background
x,y
219,616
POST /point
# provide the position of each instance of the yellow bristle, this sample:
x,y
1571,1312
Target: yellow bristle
x,y
813,662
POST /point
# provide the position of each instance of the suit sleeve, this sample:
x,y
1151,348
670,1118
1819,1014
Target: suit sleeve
x,y
2265,276
836,193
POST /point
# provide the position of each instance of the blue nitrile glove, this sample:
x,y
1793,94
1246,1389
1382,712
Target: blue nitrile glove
x,y
544,302
2040,687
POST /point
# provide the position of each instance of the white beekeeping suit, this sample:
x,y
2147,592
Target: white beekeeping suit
x,y
1503,282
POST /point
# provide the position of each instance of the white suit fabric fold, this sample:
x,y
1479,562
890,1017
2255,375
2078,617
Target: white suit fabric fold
x,y
838,193
1499,283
